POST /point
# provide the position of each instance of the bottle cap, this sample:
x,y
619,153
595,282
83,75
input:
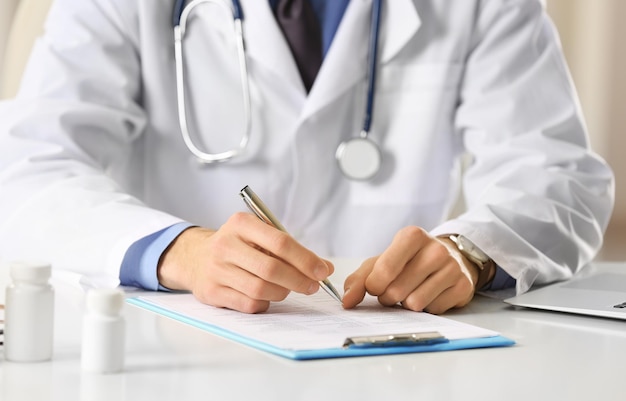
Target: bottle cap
x,y
32,272
107,301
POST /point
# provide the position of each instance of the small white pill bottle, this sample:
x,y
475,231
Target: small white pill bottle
x,y
29,313
104,329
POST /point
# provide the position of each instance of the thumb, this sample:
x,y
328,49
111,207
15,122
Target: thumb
x,y
354,286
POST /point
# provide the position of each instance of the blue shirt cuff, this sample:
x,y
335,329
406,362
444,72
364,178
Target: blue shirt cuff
x,y
500,281
139,267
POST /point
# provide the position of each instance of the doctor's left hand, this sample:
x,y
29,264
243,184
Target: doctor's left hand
x,y
244,265
419,271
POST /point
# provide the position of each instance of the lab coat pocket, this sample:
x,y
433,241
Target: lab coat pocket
x,y
418,77
414,125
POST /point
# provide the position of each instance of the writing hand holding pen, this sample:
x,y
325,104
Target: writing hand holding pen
x,y
244,265
256,205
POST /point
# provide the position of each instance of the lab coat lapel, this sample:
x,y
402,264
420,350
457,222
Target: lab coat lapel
x,y
346,62
400,21
266,44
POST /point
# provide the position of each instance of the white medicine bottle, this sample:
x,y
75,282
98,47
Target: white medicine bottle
x,y
103,334
29,313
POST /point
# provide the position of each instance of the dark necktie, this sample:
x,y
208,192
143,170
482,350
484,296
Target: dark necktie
x,y
299,24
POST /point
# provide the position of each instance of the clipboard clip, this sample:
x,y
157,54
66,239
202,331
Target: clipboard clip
x,y
395,340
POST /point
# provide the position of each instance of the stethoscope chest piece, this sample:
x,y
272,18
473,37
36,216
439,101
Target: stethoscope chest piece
x,y
359,158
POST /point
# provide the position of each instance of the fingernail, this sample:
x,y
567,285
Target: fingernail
x,y
321,272
313,288
343,298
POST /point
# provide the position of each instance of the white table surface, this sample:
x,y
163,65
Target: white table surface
x,y
557,357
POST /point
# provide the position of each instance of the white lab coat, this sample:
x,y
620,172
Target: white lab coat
x,y
92,158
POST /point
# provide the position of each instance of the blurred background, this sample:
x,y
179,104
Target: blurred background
x,y
591,31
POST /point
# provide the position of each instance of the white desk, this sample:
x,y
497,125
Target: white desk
x,y
557,357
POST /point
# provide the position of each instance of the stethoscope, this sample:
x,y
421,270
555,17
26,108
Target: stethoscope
x,y
359,158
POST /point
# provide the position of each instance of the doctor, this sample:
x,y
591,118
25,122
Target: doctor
x,y
100,169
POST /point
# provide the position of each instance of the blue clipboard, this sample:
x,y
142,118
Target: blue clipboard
x,y
402,343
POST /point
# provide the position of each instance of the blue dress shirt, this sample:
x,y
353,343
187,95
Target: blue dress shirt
x,y
329,14
141,259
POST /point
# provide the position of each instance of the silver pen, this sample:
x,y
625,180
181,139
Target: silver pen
x,y
256,205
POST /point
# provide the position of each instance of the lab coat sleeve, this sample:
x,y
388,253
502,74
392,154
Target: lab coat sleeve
x,y
71,128
538,199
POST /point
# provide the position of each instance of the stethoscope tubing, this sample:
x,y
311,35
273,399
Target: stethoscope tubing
x,y
372,61
362,167
180,21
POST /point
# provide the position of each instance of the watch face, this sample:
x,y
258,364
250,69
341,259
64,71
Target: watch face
x,y
465,244
471,249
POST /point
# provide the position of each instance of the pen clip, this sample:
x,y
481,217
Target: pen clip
x,y
256,205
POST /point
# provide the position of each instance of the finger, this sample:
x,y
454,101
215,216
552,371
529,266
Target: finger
x,y
452,281
425,294
330,266
235,244
280,244
354,286
276,271
454,297
408,281
405,245
432,257
207,281
255,287
225,297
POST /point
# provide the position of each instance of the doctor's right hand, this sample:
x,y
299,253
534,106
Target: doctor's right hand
x,y
244,265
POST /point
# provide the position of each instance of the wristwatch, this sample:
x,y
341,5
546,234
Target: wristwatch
x,y
476,256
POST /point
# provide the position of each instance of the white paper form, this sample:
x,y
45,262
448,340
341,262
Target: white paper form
x,y
314,322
